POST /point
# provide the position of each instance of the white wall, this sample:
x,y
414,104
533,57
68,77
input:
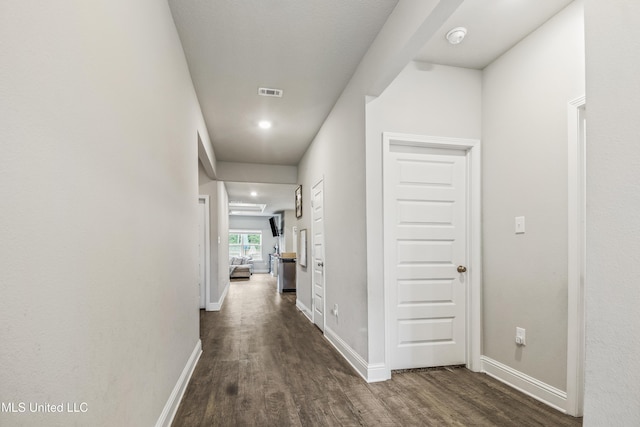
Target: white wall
x,y
251,172
241,222
290,221
612,395
424,99
524,136
98,214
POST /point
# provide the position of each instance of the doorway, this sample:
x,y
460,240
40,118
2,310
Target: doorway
x,y
317,231
431,251
576,255
204,247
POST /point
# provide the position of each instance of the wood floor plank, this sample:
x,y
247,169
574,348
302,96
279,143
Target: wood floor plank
x,y
265,364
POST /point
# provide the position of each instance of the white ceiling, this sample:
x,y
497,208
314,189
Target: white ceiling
x,y
308,48
494,26
277,197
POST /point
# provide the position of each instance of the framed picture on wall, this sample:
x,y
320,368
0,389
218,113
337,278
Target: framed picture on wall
x,y
299,201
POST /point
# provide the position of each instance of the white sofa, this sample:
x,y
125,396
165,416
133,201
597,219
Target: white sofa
x,y
240,267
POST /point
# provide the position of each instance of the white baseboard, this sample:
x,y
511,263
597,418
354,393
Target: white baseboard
x,y
303,308
216,306
260,271
370,373
354,359
543,392
377,372
171,407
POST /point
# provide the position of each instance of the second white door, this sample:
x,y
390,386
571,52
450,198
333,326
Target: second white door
x,y
317,207
425,208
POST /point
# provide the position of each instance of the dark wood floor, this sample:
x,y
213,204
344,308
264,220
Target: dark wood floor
x,y
265,364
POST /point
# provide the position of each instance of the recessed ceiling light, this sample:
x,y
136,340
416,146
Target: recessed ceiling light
x,y
456,35
264,124
254,194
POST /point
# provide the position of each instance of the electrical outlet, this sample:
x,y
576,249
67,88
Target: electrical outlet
x,y
521,337
335,310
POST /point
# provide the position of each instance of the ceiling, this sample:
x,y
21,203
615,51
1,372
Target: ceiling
x,y
310,49
277,197
307,48
493,27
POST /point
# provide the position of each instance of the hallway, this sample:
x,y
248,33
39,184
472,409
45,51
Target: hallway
x,y
265,364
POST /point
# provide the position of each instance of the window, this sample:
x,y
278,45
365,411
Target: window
x,y
245,243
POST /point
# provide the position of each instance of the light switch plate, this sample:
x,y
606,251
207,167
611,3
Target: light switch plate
x,y
519,225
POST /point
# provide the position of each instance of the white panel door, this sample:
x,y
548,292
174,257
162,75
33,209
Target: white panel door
x,y
201,251
425,243
317,207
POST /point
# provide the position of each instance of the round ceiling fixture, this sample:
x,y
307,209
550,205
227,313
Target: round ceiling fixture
x,y
254,194
264,124
456,35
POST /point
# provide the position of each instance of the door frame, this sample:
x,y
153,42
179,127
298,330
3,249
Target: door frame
x,y
576,257
207,252
473,325
324,273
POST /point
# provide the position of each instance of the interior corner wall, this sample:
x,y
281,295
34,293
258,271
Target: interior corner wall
x,y
612,377
424,99
524,136
203,178
98,214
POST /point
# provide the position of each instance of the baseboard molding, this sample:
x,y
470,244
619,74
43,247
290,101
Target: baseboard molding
x,y
171,407
260,271
216,306
545,393
370,373
304,309
351,356
377,372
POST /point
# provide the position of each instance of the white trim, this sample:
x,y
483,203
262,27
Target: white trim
x,y
304,309
377,372
370,373
217,306
576,258
355,360
207,249
474,246
530,386
171,407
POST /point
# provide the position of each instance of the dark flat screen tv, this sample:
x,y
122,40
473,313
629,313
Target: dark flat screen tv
x,y
274,226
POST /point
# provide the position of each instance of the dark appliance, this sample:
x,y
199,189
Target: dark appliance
x,y
287,275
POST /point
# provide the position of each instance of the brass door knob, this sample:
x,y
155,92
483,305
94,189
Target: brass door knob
x,y
462,269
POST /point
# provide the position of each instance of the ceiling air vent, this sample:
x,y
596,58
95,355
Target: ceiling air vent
x,y
265,91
